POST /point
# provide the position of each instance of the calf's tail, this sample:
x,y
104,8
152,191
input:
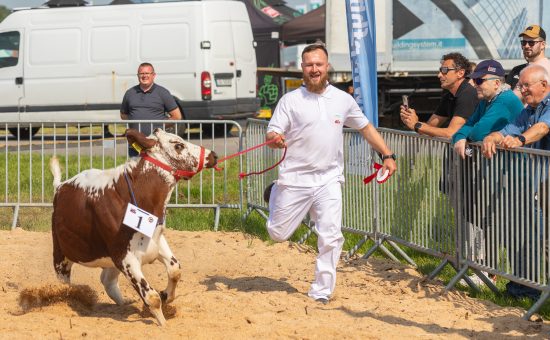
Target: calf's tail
x,y
56,171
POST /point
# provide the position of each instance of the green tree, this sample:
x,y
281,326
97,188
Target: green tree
x,y
4,12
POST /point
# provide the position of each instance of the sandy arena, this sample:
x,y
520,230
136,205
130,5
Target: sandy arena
x,y
237,287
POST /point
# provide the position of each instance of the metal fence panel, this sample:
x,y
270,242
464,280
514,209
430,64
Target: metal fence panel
x,y
503,202
505,218
26,179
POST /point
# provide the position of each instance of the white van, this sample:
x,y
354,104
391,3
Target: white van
x,y
76,63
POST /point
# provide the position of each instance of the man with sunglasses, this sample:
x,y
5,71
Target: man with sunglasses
x,y
498,106
533,44
457,103
530,129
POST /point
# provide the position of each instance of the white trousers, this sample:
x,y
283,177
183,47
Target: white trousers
x,y
288,206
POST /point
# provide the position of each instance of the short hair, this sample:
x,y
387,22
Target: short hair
x,y
459,61
316,46
538,69
146,64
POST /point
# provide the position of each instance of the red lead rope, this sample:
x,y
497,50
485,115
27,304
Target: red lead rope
x,y
243,175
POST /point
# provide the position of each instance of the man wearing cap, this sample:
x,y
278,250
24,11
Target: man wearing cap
x,y
498,106
457,103
530,129
533,44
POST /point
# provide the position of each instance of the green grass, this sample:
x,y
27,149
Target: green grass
x,y
193,219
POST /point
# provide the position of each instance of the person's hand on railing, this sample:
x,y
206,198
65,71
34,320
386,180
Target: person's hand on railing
x,y
510,142
460,148
489,146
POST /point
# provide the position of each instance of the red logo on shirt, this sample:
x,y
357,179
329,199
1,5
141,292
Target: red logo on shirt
x,y
337,121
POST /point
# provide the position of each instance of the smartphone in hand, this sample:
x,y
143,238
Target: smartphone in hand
x,y
405,101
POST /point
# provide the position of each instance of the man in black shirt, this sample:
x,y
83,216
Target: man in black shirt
x,y
533,44
148,101
458,101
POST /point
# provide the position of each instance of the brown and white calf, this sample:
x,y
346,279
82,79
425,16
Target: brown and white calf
x,y
89,209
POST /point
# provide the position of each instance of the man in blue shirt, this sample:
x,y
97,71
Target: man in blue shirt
x,y
530,129
533,124
498,106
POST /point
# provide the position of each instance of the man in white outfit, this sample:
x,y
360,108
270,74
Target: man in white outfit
x,y
310,121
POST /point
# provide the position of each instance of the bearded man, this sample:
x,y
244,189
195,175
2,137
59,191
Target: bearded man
x,y
309,121
533,44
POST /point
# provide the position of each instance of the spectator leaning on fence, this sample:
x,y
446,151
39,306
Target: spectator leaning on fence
x,y
531,127
498,106
147,101
533,45
309,121
457,103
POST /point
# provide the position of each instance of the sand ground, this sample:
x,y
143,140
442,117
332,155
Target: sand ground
x,y
235,286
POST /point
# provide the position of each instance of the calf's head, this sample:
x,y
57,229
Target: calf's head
x,y
173,151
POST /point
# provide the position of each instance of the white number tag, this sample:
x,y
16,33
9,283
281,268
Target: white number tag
x,y
140,220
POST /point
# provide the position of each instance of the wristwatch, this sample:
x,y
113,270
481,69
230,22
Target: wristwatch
x,y
521,139
417,126
392,156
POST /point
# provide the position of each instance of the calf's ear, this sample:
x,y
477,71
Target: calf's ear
x,y
135,136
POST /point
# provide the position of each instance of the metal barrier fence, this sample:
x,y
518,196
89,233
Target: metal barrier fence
x,y
25,150
504,219
478,214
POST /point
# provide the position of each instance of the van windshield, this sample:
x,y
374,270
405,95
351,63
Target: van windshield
x,y
9,48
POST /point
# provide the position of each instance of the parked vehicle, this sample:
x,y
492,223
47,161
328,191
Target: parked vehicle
x,y
76,63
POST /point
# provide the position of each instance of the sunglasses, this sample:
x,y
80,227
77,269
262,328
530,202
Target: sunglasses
x,y
479,81
531,43
445,69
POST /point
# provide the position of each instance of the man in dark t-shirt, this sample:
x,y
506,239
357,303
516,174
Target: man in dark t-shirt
x,y
533,45
458,101
148,101
513,77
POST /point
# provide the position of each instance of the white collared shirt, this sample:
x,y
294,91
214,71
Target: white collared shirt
x,y
313,128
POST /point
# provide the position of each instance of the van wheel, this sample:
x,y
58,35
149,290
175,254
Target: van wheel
x,y
24,132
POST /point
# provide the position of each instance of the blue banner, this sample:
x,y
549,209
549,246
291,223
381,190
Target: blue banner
x,y
362,47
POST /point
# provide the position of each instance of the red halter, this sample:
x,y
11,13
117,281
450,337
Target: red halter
x,y
177,173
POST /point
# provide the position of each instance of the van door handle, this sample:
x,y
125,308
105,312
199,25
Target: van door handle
x,y
19,81
239,73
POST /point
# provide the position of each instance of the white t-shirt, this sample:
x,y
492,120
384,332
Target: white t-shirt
x,y
313,127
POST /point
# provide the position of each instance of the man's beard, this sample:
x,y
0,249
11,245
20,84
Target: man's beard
x,y
532,55
316,87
